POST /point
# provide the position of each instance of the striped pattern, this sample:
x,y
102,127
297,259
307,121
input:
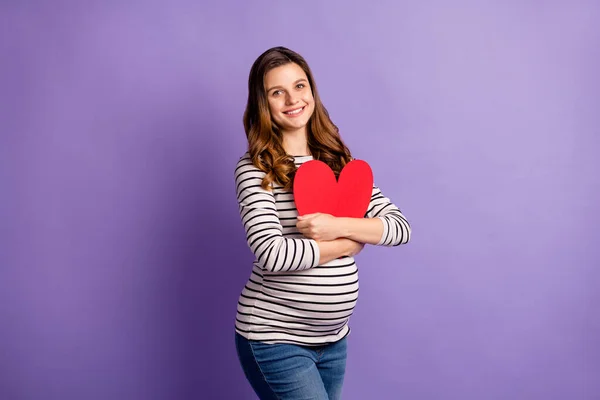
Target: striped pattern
x,y
289,297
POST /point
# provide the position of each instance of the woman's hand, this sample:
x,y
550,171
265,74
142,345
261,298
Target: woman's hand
x,y
319,226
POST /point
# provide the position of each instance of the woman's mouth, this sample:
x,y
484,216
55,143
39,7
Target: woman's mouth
x,y
295,112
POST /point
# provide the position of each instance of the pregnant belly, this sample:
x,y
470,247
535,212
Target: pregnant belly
x,y
317,294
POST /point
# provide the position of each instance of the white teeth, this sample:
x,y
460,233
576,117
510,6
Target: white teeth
x,y
295,111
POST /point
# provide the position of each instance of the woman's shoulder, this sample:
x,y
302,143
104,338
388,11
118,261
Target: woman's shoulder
x,y
245,159
245,156
245,164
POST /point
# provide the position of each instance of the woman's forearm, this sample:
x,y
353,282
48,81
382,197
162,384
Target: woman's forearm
x,y
334,249
363,230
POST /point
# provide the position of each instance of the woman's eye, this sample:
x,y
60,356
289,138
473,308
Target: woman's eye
x,y
277,93
300,86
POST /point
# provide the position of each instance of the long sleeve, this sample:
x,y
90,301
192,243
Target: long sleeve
x,y
264,232
396,229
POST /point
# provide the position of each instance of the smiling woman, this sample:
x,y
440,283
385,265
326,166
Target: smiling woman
x,y
281,81
291,104
292,315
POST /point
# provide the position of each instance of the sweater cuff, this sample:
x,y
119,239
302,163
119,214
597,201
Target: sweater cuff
x,y
385,231
315,246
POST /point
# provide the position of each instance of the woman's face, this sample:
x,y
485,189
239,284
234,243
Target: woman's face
x,y
290,97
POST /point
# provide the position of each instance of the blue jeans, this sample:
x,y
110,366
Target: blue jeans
x,y
292,372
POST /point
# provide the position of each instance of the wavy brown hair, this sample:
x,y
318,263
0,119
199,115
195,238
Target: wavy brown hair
x,y
265,141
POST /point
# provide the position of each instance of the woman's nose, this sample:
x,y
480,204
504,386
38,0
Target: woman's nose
x,y
291,99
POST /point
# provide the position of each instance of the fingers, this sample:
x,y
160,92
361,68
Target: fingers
x,y
305,220
302,224
307,216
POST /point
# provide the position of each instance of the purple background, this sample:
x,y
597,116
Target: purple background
x,y
122,253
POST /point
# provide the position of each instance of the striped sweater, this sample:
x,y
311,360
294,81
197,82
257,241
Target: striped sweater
x,y
290,297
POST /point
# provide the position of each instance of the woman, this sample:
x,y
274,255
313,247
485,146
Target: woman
x,y
292,315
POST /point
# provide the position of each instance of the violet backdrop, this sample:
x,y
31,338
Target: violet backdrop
x,y
122,253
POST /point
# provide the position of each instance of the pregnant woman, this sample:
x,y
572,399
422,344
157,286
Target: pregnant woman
x,y
292,315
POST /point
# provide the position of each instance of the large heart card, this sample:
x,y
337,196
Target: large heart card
x,y
317,191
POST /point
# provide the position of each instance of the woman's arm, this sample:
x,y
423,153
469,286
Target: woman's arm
x,y
383,224
338,248
364,230
264,233
396,229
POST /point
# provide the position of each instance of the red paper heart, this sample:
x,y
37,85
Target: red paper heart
x,y
316,190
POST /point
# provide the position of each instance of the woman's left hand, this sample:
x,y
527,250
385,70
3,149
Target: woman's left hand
x,y
319,226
